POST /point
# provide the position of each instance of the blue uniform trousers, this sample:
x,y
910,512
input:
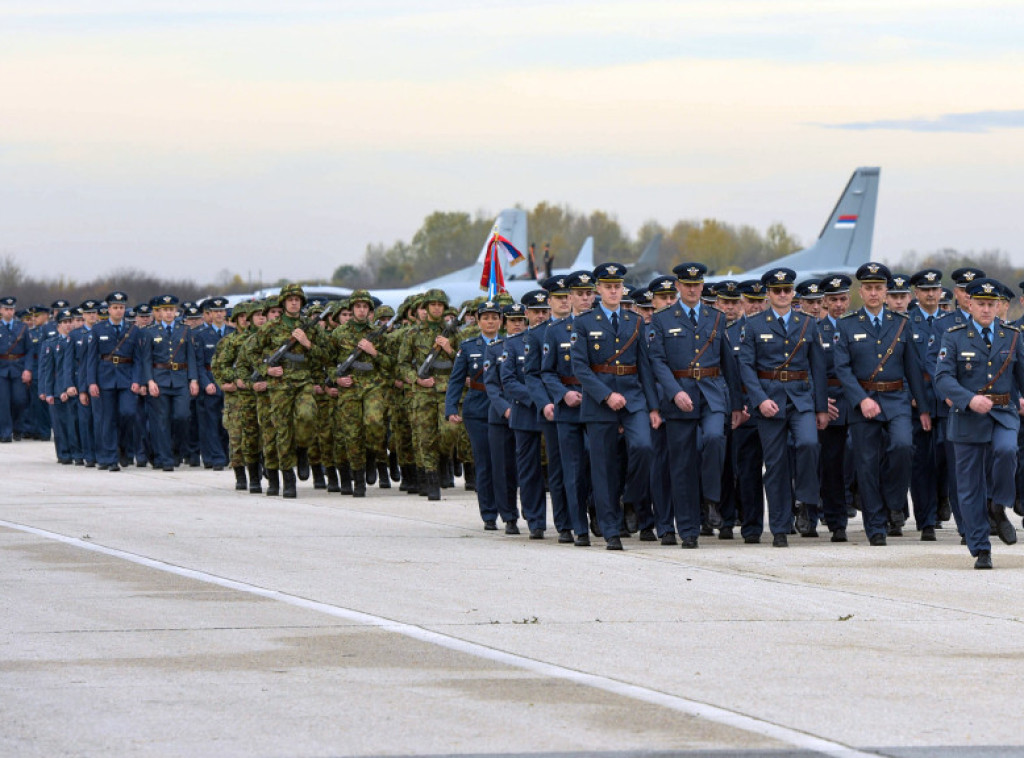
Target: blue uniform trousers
x,y
661,482
62,420
975,487
833,478
86,432
781,482
556,477
168,418
39,412
531,479
13,398
118,408
695,445
476,429
572,448
947,460
143,447
190,451
212,443
603,437
502,443
728,505
882,454
748,461
924,490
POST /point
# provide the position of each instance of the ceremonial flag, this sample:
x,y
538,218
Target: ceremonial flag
x,y
491,278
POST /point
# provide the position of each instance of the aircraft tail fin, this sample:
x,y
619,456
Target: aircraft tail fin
x,y
510,224
585,257
845,240
649,257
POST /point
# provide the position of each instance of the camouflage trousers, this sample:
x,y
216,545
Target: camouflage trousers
x,y
361,424
401,427
293,415
266,435
432,435
321,449
242,425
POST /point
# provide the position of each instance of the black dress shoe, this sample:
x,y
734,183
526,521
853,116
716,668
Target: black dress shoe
x,y
511,527
536,534
715,519
809,533
582,540
565,537
963,540
688,543
113,467
647,535
1018,507
1004,528
706,530
490,526
945,512
668,538
725,533
630,515
928,534
780,540
839,535
103,467
613,543
802,519
754,539
79,461
895,530
168,468
984,560
90,464
877,540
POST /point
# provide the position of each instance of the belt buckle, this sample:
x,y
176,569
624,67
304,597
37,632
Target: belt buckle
x,y
619,371
174,366
783,376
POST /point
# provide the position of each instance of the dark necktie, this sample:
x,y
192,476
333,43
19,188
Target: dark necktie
x,y
615,323
117,331
693,316
986,334
930,319
169,330
878,323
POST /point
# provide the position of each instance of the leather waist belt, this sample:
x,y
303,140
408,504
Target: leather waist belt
x,y
833,382
569,381
927,377
208,367
478,386
783,376
117,360
11,356
697,373
171,366
601,368
997,399
362,366
894,386
295,357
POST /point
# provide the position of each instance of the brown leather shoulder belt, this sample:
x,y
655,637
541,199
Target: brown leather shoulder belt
x,y
569,381
697,373
601,368
893,386
833,382
783,375
478,386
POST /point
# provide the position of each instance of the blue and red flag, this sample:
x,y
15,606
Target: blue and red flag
x,y
491,278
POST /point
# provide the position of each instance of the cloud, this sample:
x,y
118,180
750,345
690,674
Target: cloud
x,y
978,122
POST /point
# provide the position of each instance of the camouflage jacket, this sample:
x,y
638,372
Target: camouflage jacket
x,y
416,346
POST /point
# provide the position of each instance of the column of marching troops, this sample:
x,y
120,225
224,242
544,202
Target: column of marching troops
x,y
674,412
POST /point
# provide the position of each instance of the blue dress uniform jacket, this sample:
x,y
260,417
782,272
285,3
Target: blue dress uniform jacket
x,y
594,343
834,389
860,349
513,380
921,342
169,360
494,356
499,437
765,346
468,374
15,348
678,345
111,359
556,368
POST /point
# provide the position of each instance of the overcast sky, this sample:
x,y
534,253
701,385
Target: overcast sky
x,y
189,136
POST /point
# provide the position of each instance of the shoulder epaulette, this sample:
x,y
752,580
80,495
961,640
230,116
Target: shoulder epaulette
x,y
848,315
900,314
957,327
1010,326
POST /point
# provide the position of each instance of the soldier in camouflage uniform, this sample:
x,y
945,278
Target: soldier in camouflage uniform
x,y
290,383
433,436
401,432
362,393
250,364
243,450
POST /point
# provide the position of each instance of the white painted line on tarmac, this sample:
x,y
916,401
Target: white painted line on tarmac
x,y
798,739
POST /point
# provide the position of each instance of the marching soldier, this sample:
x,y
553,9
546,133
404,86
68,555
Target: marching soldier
x,y
15,377
213,440
500,436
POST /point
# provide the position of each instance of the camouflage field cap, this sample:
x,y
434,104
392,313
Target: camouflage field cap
x,y
435,296
271,301
292,289
241,309
384,313
361,296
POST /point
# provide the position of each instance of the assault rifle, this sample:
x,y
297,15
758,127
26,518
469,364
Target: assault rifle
x,y
345,366
275,358
449,331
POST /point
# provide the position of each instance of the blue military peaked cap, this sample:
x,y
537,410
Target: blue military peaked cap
x,y
899,283
873,272
64,314
192,311
663,285
581,280
965,275
690,273
810,289
535,300
8,301
89,306
117,297
556,285
985,289
163,301
515,310
215,304
753,289
926,278
627,295
642,298
728,290
947,295
488,306
610,272
59,304
835,284
779,277
143,309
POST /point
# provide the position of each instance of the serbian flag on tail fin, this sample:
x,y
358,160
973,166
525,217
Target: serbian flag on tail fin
x,y
846,222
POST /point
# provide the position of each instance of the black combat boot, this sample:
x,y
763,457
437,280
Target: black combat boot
x,y
302,459
332,479
469,471
319,483
457,466
382,475
288,475
433,485
396,473
371,468
254,479
345,479
407,476
240,482
444,471
273,482
360,483
424,481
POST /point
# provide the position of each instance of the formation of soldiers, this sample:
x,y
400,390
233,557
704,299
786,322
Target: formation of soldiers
x,y
673,412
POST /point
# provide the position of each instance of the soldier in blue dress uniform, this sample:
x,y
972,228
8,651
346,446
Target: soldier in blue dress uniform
x,y
979,375
566,391
876,365
15,377
466,402
695,367
500,437
663,294
168,369
783,370
609,357
85,411
55,377
213,443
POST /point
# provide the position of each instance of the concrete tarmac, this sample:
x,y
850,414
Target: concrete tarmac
x,y
164,614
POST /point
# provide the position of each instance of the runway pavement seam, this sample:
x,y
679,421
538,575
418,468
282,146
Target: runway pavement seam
x,y
723,716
